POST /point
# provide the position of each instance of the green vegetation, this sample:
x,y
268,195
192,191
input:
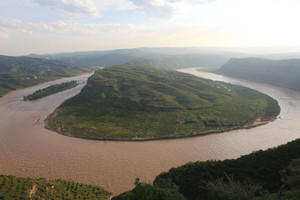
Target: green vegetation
x,y
52,89
19,72
262,175
144,191
283,73
134,102
12,187
231,190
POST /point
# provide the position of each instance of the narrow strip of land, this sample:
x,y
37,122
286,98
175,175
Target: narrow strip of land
x,y
52,89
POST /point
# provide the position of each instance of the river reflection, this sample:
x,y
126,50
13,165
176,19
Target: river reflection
x,y
29,150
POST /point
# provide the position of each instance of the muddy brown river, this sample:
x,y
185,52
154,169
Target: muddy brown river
x,y
29,150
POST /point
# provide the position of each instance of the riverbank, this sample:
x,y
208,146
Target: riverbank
x,y
250,125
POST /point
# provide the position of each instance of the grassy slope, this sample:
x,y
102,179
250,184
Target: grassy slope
x,y
19,72
12,187
141,102
261,167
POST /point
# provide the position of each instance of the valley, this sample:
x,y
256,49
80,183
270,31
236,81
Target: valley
x,y
149,100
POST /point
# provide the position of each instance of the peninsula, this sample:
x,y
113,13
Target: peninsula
x,y
139,102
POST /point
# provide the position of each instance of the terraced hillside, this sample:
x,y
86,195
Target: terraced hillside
x,y
12,187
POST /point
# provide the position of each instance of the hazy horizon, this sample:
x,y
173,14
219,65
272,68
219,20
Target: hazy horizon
x,y
52,26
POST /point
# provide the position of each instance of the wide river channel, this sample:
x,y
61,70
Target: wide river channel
x,y
27,149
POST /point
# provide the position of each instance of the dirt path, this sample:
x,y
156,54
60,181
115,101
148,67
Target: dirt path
x,y
32,191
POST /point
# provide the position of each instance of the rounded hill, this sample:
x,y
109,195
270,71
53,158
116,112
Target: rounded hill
x,y
136,102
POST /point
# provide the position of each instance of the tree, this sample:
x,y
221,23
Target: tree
x,y
232,190
290,177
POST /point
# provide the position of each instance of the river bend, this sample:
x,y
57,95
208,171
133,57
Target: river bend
x,y
29,150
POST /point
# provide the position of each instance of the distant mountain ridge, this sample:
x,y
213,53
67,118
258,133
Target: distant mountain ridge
x,y
166,57
283,73
161,57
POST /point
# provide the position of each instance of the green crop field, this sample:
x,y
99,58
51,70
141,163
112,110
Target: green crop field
x,y
12,187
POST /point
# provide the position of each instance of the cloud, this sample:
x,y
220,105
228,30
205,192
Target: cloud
x,y
99,29
156,8
165,9
10,23
71,7
115,5
199,2
4,33
60,27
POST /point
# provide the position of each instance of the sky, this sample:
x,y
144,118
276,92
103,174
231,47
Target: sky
x,y
50,26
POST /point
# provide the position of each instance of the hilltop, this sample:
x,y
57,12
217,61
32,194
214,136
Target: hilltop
x,y
19,72
283,73
134,102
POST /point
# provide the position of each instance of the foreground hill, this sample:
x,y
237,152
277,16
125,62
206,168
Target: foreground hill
x,y
12,187
283,73
133,102
260,175
18,72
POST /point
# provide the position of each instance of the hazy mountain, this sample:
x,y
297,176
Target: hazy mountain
x,y
284,73
280,56
161,57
